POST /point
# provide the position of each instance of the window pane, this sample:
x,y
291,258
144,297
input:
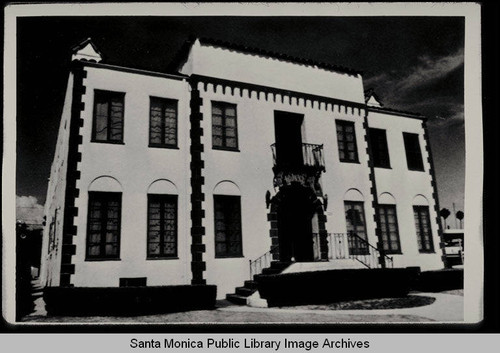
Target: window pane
x,y
116,120
162,225
346,140
101,121
224,132
108,116
155,123
227,216
103,224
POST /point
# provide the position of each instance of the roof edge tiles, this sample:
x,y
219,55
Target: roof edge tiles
x,y
396,112
184,51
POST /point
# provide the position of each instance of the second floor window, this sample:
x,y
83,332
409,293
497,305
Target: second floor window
x,y
413,153
163,122
224,126
380,151
108,116
346,139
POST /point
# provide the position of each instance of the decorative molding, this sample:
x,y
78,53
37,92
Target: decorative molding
x,y
373,190
434,191
72,175
279,94
198,266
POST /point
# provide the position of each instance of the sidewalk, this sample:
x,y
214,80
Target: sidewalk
x,y
447,308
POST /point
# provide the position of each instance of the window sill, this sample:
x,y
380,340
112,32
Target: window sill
x,y
416,170
352,162
162,258
229,256
108,142
426,251
169,147
102,259
225,149
393,253
380,167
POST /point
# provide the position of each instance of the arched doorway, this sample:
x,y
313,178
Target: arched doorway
x,y
295,206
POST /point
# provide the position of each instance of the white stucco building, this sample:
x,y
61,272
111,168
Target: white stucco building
x,y
188,177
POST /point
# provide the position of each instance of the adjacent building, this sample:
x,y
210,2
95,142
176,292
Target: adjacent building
x,y
192,176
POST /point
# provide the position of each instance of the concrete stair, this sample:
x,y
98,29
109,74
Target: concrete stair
x,y
241,294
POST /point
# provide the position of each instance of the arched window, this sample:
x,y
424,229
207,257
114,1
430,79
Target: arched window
x,y
227,220
162,220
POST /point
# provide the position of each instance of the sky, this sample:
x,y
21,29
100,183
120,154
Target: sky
x,y
414,64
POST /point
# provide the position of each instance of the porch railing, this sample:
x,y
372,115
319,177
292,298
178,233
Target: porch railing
x,y
352,246
312,156
262,262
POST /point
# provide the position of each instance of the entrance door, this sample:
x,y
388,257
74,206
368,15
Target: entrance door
x,y
295,226
287,127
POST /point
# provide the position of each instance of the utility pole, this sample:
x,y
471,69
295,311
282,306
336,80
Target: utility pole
x,y
455,215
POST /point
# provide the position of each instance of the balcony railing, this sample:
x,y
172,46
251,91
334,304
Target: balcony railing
x,y
312,156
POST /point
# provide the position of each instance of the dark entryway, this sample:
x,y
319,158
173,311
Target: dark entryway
x,y
295,213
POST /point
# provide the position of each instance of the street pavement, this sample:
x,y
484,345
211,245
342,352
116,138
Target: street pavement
x,y
446,308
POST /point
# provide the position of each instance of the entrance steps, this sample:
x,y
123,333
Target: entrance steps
x,y
243,294
250,287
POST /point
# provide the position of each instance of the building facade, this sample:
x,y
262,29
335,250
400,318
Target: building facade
x,y
188,178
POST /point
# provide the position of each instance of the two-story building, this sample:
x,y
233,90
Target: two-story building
x,y
234,158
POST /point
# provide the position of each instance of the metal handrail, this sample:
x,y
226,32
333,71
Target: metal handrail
x,y
260,263
371,258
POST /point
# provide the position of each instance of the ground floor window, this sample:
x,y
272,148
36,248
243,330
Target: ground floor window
x,y
423,227
389,229
104,216
162,226
227,215
356,227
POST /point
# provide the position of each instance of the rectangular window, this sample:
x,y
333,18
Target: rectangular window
x,y
356,229
224,126
389,229
423,226
380,151
162,122
108,116
346,139
162,226
227,214
103,225
413,153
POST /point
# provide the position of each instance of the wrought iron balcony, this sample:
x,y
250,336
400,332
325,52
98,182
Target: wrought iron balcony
x,y
310,158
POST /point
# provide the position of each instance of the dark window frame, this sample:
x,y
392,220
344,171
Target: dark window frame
x,y
385,233
420,229
164,102
227,239
109,94
163,199
364,249
103,196
380,148
223,146
413,151
343,124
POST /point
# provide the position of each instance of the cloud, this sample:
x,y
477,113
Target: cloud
x,y
428,70
29,210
